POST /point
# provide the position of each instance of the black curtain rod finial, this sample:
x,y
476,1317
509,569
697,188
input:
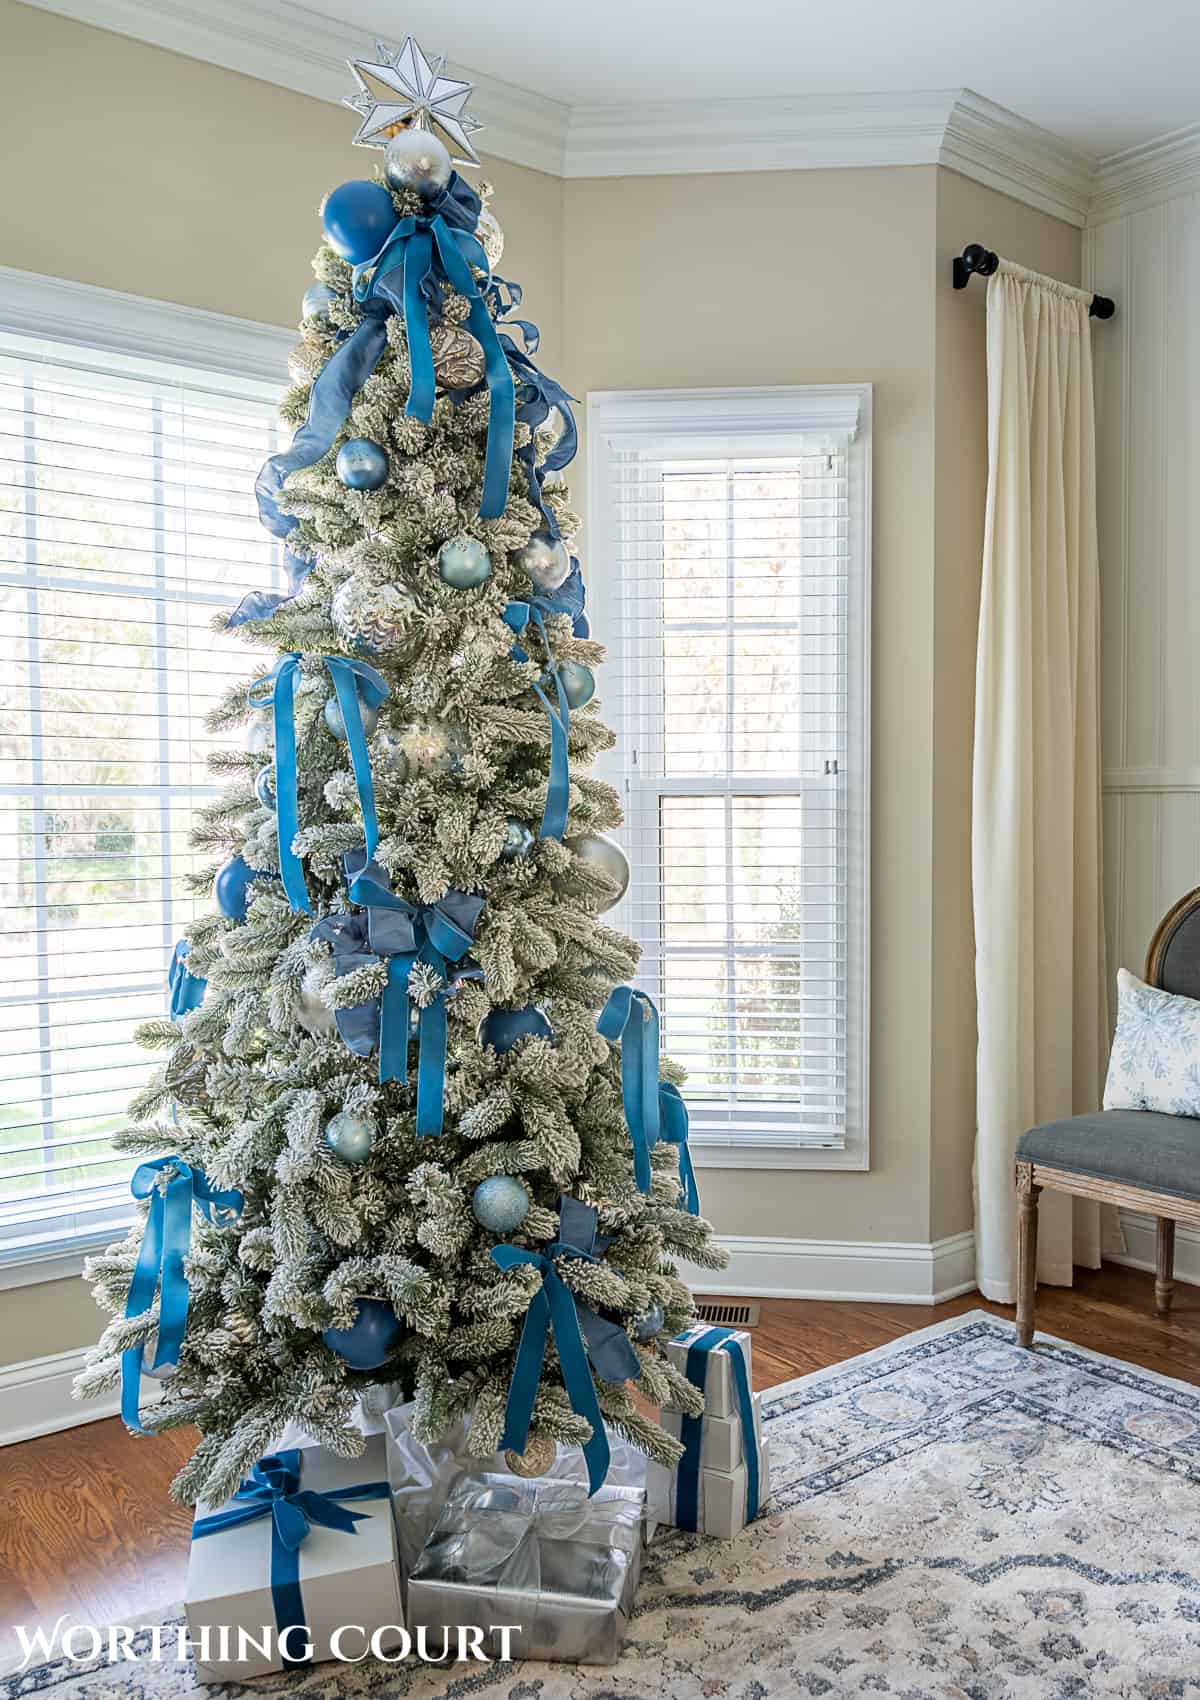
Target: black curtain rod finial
x,y
976,260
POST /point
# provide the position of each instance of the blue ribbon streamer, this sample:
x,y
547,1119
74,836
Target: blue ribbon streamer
x,y
631,1019
402,934
537,397
273,1490
165,1240
673,1123
687,1484
185,990
555,1307
356,684
517,617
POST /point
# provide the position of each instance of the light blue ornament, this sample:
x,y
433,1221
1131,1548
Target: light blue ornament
x,y
335,723
264,787
464,563
518,839
500,1204
649,1325
350,1136
318,299
578,683
504,1028
231,887
371,1338
358,218
361,464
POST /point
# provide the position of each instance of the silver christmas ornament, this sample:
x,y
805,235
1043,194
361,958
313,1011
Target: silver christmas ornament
x,y
464,563
548,435
545,559
417,160
318,299
605,856
518,839
370,616
500,1204
335,723
350,1136
435,745
362,464
649,1325
578,683
261,736
264,787
417,94
458,362
149,1352
389,756
491,237
540,1452
312,1012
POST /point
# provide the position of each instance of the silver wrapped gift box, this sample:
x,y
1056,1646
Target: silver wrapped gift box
x,y
537,1554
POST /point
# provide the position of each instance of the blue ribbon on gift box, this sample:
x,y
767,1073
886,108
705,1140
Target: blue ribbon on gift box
x,y
273,1490
687,1482
166,1239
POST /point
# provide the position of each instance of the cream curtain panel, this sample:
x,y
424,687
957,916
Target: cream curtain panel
x,y
1039,940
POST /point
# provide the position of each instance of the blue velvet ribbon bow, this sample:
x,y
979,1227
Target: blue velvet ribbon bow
x,y
273,1490
166,1238
517,617
580,1334
329,404
185,990
357,685
691,1433
400,934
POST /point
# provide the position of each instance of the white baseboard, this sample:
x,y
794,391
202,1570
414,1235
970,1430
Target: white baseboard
x,y
1141,1249
897,1272
35,1398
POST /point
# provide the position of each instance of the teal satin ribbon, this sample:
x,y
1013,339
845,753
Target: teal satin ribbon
x,y
273,1490
691,1432
517,617
418,249
356,684
631,1019
166,1237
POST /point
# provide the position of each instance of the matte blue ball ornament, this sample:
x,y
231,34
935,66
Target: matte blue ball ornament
x,y
370,1340
578,683
649,1325
350,1136
358,218
317,301
264,787
518,839
335,723
361,464
504,1028
464,563
231,887
500,1203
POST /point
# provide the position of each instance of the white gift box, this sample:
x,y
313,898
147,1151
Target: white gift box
x,y
347,1581
721,1496
720,1397
720,1437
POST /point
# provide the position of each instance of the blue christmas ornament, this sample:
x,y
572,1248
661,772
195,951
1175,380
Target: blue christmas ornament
x,y
518,839
649,1325
333,718
500,1204
231,888
578,683
318,299
350,1137
264,787
358,218
464,563
370,1340
362,464
504,1028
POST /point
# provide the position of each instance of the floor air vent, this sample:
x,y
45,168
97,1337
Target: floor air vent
x,y
727,1315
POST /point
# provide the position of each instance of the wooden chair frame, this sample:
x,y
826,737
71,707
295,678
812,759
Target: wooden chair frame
x,y
1032,1177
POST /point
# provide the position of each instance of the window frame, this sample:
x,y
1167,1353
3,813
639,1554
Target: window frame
x,y
108,322
742,423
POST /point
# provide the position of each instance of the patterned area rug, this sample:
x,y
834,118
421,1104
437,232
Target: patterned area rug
x,y
953,1519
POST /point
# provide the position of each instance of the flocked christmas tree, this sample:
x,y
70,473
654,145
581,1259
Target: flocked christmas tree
x,y
416,1125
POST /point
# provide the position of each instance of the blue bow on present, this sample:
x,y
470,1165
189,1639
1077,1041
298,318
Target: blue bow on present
x,y
166,1238
273,1490
357,685
185,990
691,1432
517,617
555,1306
401,934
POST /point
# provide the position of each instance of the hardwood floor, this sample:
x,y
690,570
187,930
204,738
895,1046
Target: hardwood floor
x,y
86,1526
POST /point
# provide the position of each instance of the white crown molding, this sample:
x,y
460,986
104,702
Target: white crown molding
x,y
996,147
1147,175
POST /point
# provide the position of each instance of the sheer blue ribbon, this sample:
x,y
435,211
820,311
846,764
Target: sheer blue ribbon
x,y
555,1307
401,934
673,1125
691,1433
517,617
273,1490
165,1240
357,685
185,990
631,1019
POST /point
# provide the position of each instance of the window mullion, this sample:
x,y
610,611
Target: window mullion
x,y
731,966
162,662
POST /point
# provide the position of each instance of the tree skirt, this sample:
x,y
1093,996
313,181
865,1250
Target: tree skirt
x,y
952,1518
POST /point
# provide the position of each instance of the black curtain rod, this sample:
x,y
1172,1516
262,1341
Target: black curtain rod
x,y
976,259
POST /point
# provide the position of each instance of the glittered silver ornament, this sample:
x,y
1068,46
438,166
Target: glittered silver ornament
x,y
261,736
370,616
350,1136
518,839
362,464
578,683
438,746
606,856
389,756
545,559
464,563
318,299
540,1452
335,723
312,1012
417,160
491,237
500,1204
458,360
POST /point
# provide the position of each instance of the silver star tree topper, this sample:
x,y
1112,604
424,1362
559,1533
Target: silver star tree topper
x,y
415,94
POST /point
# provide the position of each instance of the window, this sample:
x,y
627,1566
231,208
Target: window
x,y
729,575
127,521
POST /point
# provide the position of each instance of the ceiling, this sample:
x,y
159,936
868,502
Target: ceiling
x,y
1102,74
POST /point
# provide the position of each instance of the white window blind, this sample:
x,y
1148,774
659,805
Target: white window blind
x,y
126,521
734,603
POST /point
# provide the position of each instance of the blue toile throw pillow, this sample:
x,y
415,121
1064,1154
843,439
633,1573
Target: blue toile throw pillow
x,y
1155,1059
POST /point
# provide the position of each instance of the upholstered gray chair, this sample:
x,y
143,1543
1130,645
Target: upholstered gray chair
x,y
1134,1158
